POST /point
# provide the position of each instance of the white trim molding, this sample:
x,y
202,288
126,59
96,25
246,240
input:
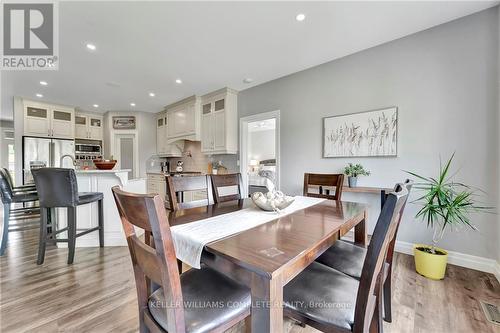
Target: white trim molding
x,y
244,145
460,259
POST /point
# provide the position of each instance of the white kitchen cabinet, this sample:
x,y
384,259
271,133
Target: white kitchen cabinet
x,y
46,120
163,146
183,118
88,126
156,183
219,122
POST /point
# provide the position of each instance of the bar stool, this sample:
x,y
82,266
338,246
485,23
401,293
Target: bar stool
x,y
11,195
57,187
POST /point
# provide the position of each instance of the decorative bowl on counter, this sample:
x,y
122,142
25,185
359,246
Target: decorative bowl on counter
x,y
104,164
272,200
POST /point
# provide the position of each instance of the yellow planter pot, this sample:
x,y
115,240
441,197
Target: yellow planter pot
x,y
432,266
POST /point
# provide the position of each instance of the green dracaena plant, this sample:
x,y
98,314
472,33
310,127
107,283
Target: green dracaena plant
x,y
445,203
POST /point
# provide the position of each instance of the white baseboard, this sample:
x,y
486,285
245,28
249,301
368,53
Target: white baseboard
x,y
460,259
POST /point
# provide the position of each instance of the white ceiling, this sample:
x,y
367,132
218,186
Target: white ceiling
x,y
145,46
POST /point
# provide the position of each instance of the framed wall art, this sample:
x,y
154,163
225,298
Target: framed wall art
x,y
363,134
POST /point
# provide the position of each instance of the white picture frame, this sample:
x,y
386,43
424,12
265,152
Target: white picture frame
x,y
371,133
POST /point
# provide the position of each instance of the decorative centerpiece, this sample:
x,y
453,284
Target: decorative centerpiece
x,y
445,204
105,164
273,200
353,171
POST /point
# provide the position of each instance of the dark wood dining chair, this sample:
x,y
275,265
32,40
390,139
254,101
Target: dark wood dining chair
x,y
223,182
332,301
348,258
324,180
180,302
177,185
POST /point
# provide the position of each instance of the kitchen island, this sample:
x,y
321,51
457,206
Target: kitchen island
x,y
87,215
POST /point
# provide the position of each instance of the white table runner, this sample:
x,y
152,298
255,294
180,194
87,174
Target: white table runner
x,y
190,238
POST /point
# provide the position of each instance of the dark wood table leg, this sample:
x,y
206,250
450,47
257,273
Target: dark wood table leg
x,y
267,304
360,237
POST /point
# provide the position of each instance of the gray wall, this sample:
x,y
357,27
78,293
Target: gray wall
x,y
444,82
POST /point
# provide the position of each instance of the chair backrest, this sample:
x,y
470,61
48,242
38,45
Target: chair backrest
x,y
369,283
231,183
5,188
321,180
56,187
6,172
186,184
158,263
390,251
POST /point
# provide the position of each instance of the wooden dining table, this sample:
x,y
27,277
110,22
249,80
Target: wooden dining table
x,y
265,258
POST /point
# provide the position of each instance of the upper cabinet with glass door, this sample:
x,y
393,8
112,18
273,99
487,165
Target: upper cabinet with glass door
x,y
45,120
219,122
88,126
183,120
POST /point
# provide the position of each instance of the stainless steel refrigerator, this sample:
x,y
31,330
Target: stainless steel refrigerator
x,y
45,152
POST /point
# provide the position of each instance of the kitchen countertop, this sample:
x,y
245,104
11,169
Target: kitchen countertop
x,y
185,173
102,171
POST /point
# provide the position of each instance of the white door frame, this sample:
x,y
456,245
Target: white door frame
x,y
244,145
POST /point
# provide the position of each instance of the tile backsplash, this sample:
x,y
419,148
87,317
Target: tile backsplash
x,y
195,160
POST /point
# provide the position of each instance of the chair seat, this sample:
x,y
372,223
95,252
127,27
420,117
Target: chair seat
x,y
323,295
345,257
216,298
88,197
24,196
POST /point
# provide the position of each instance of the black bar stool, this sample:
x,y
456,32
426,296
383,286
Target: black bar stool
x,y
57,187
11,195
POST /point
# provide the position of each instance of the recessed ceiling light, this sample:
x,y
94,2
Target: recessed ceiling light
x,y
96,105
43,83
152,94
300,17
39,95
178,81
91,47
247,80
132,104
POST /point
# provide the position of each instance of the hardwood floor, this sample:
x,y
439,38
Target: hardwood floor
x,y
97,294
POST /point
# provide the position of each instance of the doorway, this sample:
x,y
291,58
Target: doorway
x,y
126,153
260,151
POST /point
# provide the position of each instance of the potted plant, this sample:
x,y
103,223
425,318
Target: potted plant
x,y
353,171
445,204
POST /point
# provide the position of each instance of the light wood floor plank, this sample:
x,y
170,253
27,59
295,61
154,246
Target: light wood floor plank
x,y
97,294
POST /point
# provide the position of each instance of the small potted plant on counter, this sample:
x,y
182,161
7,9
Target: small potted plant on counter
x,y
353,171
445,204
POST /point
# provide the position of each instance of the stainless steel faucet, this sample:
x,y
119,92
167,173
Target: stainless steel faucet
x,y
67,155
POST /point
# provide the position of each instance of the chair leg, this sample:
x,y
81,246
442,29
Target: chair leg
x,y
71,234
5,231
387,296
42,242
101,223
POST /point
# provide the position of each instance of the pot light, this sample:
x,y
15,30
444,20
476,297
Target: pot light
x,y
247,80
300,17
39,95
178,81
96,105
152,94
132,104
43,83
91,47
